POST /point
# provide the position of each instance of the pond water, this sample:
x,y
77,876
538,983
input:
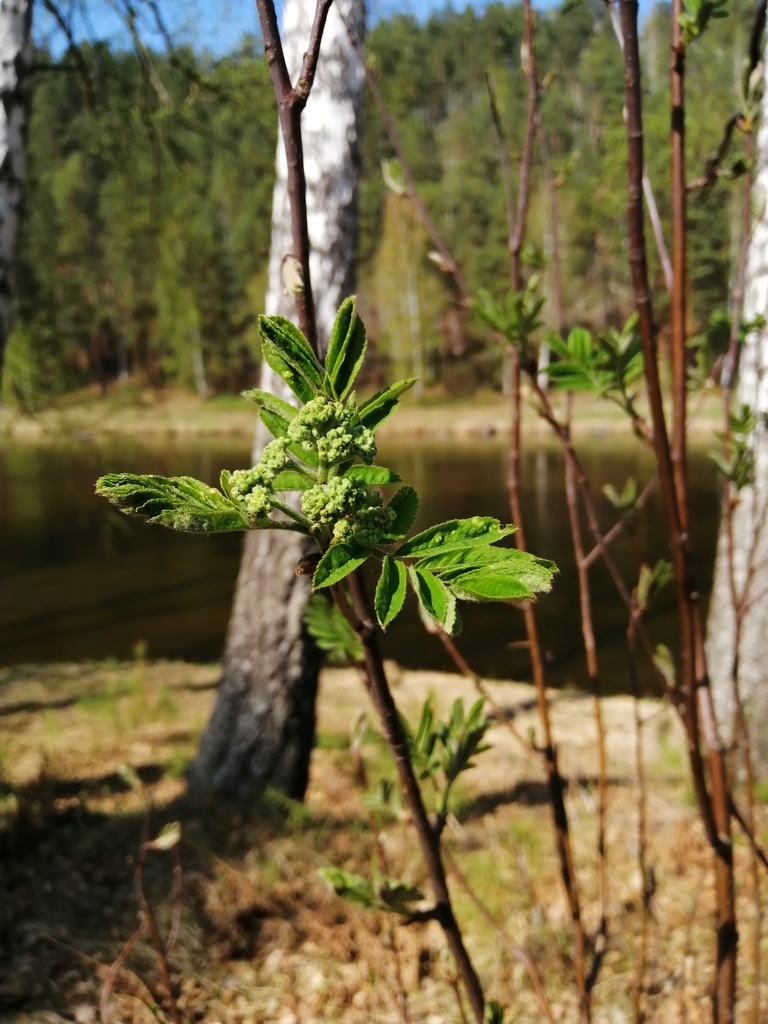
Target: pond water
x,y
81,581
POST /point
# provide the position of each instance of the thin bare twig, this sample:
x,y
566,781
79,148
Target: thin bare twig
x,y
150,920
699,718
642,814
115,969
555,784
521,955
77,54
619,527
290,103
590,651
650,198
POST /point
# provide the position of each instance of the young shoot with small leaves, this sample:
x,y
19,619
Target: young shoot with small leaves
x,y
318,477
323,452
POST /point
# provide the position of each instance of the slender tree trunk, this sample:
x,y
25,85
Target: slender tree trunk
x,y
15,58
262,729
750,514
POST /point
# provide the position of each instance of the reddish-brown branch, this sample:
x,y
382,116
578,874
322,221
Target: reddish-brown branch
x,y
290,103
149,919
555,783
650,198
554,223
642,803
306,78
590,651
554,779
748,831
741,120
712,164
678,303
381,696
114,970
699,717
618,528
524,185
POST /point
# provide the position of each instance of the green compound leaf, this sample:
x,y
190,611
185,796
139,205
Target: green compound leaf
x,y
337,562
456,533
353,888
405,504
379,408
278,427
331,631
490,583
494,1013
390,591
435,598
399,896
535,574
463,737
395,897
178,502
276,405
373,475
346,349
288,353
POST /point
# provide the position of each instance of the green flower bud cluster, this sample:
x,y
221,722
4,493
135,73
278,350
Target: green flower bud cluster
x,y
324,504
354,512
332,429
253,487
366,526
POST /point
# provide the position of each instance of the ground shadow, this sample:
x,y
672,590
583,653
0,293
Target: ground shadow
x,y
69,903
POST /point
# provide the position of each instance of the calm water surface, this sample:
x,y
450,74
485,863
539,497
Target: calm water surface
x,y
78,580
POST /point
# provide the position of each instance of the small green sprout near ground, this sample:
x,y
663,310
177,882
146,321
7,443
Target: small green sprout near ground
x,y
317,477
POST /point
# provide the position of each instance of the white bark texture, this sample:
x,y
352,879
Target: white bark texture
x,y
15,58
262,729
749,563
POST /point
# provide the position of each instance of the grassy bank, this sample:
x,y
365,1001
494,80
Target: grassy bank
x,y
153,414
261,937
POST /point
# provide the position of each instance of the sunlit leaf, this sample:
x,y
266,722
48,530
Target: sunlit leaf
x,y
390,591
380,407
289,354
374,476
456,533
178,502
435,597
331,631
276,405
337,562
346,350
405,504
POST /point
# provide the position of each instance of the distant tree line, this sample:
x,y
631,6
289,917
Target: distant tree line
x,y
144,245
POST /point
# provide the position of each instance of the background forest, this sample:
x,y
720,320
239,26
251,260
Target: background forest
x,y
144,248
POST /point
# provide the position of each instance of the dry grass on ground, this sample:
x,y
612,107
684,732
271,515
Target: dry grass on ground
x,y
262,939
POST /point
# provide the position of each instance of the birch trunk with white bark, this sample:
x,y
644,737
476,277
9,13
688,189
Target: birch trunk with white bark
x,y
15,58
733,651
262,729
